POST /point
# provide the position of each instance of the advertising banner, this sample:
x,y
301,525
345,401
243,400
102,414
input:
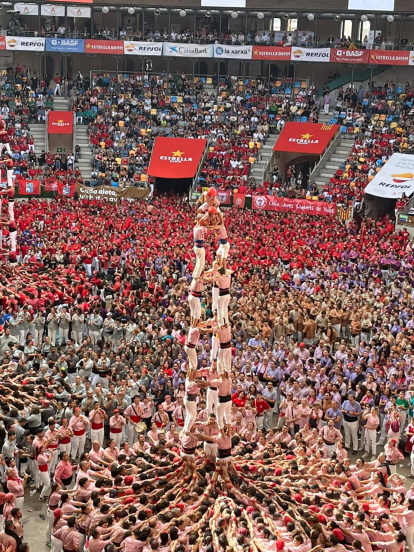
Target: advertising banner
x,y
374,5
188,50
176,157
71,45
27,9
307,138
143,48
104,46
111,194
279,53
389,57
349,56
234,52
60,122
395,177
2,42
223,3
78,11
25,43
297,206
311,54
50,10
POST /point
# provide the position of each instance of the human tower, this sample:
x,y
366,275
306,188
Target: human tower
x,y
214,431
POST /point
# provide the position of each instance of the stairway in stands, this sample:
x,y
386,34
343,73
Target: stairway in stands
x,y
82,140
332,163
39,136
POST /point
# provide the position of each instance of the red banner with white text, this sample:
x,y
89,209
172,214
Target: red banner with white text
x,y
67,190
271,52
388,57
60,122
176,157
296,206
104,46
349,56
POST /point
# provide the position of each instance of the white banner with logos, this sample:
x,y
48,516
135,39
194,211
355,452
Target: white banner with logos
x,y
235,52
142,48
79,11
52,10
25,43
223,3
311,54
27,9
375,5
395,178
188,50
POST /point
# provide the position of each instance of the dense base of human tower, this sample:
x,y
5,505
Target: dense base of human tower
x,y
184,394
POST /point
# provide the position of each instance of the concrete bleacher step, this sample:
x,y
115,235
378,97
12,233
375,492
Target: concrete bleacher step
x,y
82,140
38,132
60,103
333,162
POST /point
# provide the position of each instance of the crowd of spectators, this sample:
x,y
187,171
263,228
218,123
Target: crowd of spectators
x,y
95,314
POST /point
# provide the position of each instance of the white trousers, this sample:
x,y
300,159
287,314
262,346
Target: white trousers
x,y
212,401
195,306
117,437
223,309
10,202
77,336
371,441
5,146
52,336
97,435
192,357
78,445
64,448
409,533
215,296
57,545
215,342
45,481
132,434
351,433
210,450
19,501
63,335
190,414
223,250
50,520
13,241
200,254
331,448
94,336
223,414
224,361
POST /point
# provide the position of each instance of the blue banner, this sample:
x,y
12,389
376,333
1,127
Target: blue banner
x,y
70,45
